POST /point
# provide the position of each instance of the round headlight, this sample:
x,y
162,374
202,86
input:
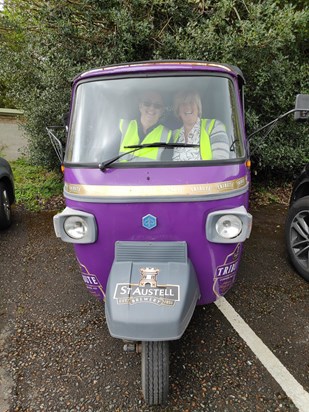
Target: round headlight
x,y
75,227
229,226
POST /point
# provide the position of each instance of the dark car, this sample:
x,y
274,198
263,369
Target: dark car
x,y
297,225
7,193
297,222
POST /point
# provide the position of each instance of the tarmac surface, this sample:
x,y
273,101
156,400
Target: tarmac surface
x,y
56,353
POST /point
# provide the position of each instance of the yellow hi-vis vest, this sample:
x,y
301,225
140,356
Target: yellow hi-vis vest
x,y
205,147
129,130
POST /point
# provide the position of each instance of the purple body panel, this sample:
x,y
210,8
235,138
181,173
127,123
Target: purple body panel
x,y
155,176
177,221
154,66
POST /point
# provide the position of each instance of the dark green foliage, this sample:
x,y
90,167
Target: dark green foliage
x,y
43,45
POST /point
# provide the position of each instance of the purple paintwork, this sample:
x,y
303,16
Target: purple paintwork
x,y
155,176
177,221
159,66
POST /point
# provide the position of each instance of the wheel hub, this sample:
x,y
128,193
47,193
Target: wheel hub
x,y
6,205
300,238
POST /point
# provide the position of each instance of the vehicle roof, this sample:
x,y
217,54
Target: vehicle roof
x,y
162,65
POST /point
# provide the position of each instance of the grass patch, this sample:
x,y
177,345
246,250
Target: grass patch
x,y
35,187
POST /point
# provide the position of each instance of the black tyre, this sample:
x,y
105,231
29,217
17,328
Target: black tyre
x,y
155,372
5,207
297,236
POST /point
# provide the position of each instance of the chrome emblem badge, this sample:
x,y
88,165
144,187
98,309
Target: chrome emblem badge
x,y
149,277
149,222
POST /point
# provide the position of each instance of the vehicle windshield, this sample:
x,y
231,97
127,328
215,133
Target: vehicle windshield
x,y
155,119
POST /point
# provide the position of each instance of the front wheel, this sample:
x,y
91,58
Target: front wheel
x,y
297,236
5,207
155,372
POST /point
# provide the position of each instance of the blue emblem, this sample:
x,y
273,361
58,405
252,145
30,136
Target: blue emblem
x,y
149,222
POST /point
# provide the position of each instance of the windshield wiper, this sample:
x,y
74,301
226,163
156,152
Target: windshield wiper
x,y
136,147
159,144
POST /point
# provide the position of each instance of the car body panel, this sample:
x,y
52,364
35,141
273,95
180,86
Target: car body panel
x,y
6,175
301,185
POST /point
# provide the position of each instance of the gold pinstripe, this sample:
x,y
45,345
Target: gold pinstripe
x,y
158,190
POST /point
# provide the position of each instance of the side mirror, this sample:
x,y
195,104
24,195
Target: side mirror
x,y
301,114
66,121
302,107
57,145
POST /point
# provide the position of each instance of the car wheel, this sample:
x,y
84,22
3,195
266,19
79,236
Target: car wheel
x,y
297,236
5,207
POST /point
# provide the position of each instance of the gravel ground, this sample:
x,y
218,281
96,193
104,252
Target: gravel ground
x,y
57,355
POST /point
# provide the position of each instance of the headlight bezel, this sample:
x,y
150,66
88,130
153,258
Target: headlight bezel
x,y
240,213
89,235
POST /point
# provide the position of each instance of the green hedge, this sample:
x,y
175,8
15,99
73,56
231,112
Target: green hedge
x,y
43,45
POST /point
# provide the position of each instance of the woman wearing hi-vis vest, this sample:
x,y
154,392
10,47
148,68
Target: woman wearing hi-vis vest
x,y
209,134
145,130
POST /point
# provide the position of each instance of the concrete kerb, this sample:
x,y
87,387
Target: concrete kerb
x,y
10,112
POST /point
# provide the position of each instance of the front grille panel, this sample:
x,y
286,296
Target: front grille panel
x,y
151,251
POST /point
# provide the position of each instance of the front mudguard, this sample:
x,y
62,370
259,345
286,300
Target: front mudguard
x,y
151,300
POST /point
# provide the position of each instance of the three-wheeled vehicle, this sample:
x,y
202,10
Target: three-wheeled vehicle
x,y
157,179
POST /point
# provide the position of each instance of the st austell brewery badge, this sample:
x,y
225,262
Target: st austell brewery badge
x,y
147,290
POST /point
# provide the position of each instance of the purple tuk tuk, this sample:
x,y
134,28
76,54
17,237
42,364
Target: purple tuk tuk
x,y
157,178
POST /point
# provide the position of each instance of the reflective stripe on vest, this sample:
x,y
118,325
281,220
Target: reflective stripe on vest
x,y
205,147
129,130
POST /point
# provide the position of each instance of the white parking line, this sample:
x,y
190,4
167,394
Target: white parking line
x,y
288,383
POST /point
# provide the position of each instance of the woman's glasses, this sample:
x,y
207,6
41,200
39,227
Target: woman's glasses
x,y
149,103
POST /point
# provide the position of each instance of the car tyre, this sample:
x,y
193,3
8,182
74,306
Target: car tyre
x,y
5,207
297,236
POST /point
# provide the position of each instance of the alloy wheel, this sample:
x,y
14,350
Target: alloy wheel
x,y
299,238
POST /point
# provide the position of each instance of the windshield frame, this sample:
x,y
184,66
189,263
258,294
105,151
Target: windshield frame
x,y
237,102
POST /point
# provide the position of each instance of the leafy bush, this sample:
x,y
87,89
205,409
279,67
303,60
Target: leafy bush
x,y
43,45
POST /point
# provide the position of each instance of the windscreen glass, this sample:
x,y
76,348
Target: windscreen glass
x,y
155,119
